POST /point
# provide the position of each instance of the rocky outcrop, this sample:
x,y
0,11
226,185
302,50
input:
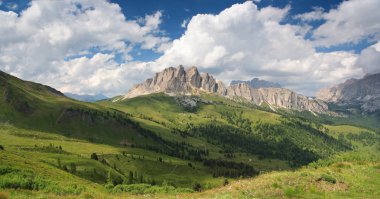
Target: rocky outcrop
x,y
363,92
177,81
276,98
258,83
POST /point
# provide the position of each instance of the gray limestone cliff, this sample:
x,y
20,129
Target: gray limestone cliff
x,y
177,81
363,92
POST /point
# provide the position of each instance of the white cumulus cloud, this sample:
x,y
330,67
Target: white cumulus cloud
x,y
243,42
351,22
369,59
49,36
85,46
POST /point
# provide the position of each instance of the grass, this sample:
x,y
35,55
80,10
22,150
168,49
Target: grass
x,y
337,129
174,170
358,178
47,141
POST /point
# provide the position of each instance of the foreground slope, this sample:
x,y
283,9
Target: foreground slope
x,y
33,169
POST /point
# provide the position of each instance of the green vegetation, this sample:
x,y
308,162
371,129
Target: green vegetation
x,y
52,147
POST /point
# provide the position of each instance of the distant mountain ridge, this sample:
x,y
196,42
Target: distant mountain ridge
x,y
364,92
87,98
177,81
257,83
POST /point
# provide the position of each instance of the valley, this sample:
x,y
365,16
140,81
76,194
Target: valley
x,y
158,144
190,99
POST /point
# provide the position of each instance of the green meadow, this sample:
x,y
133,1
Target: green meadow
x,y
155,146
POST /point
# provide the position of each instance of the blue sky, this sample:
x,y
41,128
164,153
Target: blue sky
x,y
175,12
100,46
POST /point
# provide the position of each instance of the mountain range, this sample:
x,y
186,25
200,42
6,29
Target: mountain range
x,y
257,83
180,133
177,81
363,93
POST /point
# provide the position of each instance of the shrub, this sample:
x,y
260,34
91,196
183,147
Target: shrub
x,y
61,190
1,147
149,189
225,183
109,186
94,156
19,179
276,185
133,188
327,178
292,192
197,187
73,167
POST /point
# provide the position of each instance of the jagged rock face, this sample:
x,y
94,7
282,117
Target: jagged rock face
x,y
277,97
257,83
364,92
177,81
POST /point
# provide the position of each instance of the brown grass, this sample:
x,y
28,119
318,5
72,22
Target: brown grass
x,y
4,195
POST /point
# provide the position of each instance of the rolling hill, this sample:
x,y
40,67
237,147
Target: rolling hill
x,y
172,146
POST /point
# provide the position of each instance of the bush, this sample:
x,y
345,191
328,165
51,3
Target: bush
x,y
61,190
109,186
197,187
327,178
13,178
73,168
17,179
133,188
149,189
1,147
94,156
292,192
225,183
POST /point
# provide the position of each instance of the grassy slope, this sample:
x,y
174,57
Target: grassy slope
x,y
164,113
37,107
33,139
31,149
356,173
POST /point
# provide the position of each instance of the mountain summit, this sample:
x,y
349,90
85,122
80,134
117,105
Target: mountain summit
x,y
178,81
363,92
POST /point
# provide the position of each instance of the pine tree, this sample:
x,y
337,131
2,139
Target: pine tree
x,y
59,162
73,167
94,156
130,177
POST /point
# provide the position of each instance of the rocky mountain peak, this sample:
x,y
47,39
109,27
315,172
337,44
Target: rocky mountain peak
x,y
364,92
177,81
193,77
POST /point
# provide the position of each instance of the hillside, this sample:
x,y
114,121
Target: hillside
x,y
53,146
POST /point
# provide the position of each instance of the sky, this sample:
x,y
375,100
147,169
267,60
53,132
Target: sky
x,y
99,46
